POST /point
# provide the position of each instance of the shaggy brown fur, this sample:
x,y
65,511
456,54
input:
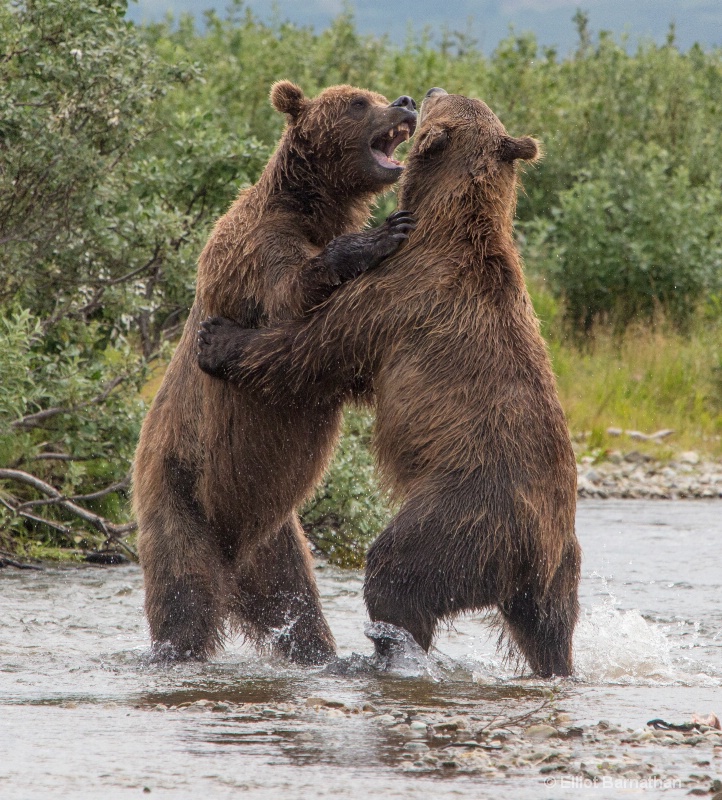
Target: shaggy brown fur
x,y
218,473
470,435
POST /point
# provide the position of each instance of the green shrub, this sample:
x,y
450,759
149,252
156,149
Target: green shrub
x,y
631,238
104,206
349,509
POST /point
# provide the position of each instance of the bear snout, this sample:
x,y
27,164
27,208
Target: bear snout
x,y
404,102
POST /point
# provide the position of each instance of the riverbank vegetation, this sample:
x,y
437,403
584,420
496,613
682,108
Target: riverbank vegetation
x,y
119,146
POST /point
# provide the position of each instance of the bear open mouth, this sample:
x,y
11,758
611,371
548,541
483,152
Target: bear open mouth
x,y
382,148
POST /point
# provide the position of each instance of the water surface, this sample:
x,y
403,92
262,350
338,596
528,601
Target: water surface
x,y
83,714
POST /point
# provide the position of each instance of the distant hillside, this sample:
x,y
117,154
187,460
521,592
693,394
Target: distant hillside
x,y
486,21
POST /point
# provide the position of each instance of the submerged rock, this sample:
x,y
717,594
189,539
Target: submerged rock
x,y
540,732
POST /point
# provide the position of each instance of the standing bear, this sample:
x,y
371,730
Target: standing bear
x,y
218,472
470,436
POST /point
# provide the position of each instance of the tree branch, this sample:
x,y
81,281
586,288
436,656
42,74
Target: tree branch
x,y
110,530
39,417
133,273
6,560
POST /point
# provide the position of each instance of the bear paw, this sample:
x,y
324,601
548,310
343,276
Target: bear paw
x,y
393,233
219,339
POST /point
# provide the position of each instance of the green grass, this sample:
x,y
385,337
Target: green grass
x,y
650,379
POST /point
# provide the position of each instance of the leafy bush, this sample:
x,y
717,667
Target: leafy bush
x,y
69,417
632,237
349,510
103,209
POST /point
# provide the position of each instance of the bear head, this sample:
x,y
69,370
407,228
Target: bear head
x,y
345,137
462,150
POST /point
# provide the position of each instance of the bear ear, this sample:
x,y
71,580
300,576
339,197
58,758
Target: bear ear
x,y
433,141
287,98
524,148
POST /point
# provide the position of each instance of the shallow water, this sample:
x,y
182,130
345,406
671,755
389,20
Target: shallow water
x,y
82,713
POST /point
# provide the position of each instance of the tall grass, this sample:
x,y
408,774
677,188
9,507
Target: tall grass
x,y
647,378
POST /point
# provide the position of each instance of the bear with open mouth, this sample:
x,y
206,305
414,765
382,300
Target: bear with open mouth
x,y
219,472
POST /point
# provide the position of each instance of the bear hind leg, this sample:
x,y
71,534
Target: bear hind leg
x,y
183,569
413,580
277,598
542,626
184,614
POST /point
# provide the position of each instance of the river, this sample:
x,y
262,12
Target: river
x,y
83,714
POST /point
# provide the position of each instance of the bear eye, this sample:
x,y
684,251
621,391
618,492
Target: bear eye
x,y
359,102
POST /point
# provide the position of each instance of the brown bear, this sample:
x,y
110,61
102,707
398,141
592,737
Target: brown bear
x,y
218,473
470,435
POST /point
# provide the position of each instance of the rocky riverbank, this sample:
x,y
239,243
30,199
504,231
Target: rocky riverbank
x,y
639,475
541,748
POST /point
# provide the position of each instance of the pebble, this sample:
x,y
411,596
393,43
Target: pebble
x,y
416,746
317,702
511,751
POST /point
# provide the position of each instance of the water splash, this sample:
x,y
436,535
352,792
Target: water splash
x,y
397,654
621,647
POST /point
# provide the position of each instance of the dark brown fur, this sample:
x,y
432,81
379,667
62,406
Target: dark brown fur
x,y
218,472
470,435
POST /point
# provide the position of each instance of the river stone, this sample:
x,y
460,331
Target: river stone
x,y
316,702
540,732
690,457
416,746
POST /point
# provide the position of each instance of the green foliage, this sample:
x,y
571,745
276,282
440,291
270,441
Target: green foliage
x,y
69,415
106,196
632,237
349,510
605,114
119,147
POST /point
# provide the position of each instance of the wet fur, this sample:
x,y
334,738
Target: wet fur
x,y
470,436
218,472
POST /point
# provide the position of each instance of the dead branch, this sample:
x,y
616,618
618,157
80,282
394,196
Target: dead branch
x,y
6,560
49,501
63,457
115,487
110,530
33,518
500,722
